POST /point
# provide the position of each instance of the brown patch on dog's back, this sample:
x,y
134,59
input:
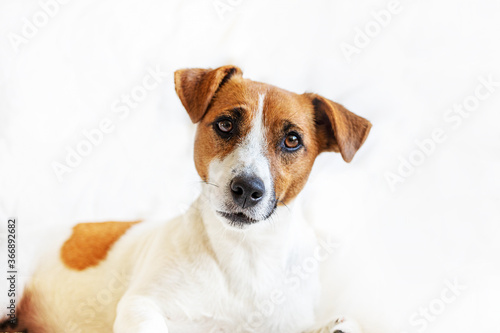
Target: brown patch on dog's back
x,y
90,242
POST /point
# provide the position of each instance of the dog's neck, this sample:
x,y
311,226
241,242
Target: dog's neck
x,y
260,250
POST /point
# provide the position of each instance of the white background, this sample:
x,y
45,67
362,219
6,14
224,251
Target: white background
x,y
399,246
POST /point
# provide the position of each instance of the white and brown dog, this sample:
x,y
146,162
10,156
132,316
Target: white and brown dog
x,y
213,268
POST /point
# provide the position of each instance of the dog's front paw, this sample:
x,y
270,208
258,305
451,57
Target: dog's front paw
x,y
343,325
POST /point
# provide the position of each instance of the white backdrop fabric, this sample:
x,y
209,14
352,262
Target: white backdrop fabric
x,y
418,209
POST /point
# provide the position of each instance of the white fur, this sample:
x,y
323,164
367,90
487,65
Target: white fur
x,y
194,274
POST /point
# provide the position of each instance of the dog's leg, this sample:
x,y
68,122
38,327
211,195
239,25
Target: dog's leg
x,y
138,314
340,325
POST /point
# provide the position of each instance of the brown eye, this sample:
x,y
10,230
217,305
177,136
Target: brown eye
x,y
292,141
225,125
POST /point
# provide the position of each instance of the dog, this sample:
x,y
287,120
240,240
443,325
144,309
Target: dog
x,y
230,255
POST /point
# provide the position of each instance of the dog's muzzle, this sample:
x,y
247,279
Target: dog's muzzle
x,y
247,191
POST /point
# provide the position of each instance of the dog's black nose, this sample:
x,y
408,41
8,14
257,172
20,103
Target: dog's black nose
x,y
247,191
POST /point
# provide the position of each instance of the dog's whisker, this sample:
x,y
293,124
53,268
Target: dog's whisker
x,y
208,183
273,222
284,204
242,239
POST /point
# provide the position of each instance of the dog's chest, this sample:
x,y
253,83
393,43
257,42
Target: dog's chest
x,y
252,298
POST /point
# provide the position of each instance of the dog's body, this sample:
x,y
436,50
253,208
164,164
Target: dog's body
x,y
230,263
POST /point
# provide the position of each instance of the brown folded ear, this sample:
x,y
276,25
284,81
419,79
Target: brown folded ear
x,y
339,130
197,86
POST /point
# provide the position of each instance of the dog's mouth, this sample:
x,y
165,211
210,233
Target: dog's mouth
x,y
237,218
240,219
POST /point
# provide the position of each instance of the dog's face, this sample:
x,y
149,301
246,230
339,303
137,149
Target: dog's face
x,y
255,143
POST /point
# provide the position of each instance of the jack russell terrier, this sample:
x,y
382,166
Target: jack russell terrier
x,y
223,266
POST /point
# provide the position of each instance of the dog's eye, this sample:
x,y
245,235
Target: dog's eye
x,y
225,125
292,141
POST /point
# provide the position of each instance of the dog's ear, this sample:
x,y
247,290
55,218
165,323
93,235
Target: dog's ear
x,y
196,87
338,129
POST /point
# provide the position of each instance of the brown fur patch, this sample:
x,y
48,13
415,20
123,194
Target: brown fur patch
x,y
237,93
90,243
285,112
196,87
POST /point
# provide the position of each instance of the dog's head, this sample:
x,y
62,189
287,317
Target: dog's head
x,y
255,143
